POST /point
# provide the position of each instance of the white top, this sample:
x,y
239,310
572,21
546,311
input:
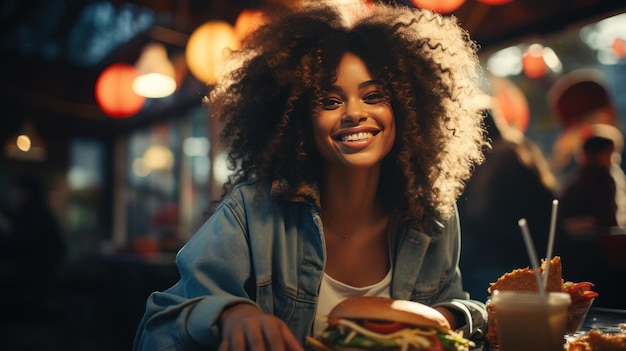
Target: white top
x,y
333,291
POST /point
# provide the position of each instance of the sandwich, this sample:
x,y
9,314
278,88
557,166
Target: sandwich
x,y
384,324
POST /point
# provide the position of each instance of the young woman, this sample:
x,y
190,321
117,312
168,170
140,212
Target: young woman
x,y
351,143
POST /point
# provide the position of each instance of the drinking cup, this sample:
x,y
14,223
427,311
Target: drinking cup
x,y
527,320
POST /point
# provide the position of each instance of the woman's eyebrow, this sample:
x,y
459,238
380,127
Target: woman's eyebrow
x,y
338,89
370,82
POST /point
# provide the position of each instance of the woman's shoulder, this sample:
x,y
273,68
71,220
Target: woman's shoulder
x,y
247,190
254,192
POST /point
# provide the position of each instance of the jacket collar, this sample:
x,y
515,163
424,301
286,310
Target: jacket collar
x,y
305,192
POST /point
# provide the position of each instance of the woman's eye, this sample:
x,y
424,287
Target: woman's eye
x,y
330,103
374,97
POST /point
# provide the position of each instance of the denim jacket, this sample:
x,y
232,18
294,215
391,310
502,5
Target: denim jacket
x,y
271,252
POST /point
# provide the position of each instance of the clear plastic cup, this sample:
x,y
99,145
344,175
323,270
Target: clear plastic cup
x,y
576,314
527,320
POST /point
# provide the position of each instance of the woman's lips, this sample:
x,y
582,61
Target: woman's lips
x,y
355,134
356,140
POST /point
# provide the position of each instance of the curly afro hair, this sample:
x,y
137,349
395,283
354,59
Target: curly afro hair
x,y
430,71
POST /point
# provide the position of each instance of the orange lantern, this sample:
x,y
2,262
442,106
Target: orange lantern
x,y
510,103
114,91
495,2
247,22
533,62
205,49
441,6
619,47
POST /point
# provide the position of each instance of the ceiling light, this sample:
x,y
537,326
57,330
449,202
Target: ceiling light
x,y
26,144
155,77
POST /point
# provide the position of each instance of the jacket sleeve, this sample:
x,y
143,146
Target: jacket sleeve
x,y
214,271
452,295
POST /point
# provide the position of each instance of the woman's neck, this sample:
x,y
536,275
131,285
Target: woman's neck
x,y
355,228
349,196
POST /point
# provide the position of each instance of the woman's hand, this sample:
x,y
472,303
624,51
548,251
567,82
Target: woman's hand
x,y
245,327
447,314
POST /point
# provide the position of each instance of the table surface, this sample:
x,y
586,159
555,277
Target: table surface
x,y
603,319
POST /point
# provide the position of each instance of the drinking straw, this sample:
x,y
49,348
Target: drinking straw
x,y
531,254
555,205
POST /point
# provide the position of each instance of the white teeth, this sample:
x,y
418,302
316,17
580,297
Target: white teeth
x,y
357,136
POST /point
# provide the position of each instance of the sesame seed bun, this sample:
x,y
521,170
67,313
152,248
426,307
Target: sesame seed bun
x,y
385,309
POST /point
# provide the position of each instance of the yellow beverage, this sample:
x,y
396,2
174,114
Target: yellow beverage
x,y
528,321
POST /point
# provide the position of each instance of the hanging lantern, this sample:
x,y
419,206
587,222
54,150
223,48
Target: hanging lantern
x,y
533,62
440,6
114,91
247,22
510,103
619,48
155,71
205,49
495,2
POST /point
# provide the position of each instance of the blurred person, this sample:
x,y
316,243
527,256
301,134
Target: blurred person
x,y
514,182
583,105
352,141
617,173
578,99
587,215
508,186
587,201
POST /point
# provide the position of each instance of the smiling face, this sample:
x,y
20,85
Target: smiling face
x,y
354,125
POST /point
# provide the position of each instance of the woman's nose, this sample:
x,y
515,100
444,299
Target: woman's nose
x,y
355,112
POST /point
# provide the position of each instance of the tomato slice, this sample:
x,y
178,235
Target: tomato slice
x,y
581,292
436,344
333,322
580,287
382,326
584,297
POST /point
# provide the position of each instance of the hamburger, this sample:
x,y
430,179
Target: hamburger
x,y
384,324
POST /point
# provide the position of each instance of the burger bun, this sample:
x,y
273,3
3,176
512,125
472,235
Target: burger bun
x,y
390,310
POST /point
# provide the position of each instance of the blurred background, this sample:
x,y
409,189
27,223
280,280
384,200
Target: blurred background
x,y
101,181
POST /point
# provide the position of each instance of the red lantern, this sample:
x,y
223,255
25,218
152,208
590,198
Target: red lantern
x,y
533,62
114,91
441,6
495,2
